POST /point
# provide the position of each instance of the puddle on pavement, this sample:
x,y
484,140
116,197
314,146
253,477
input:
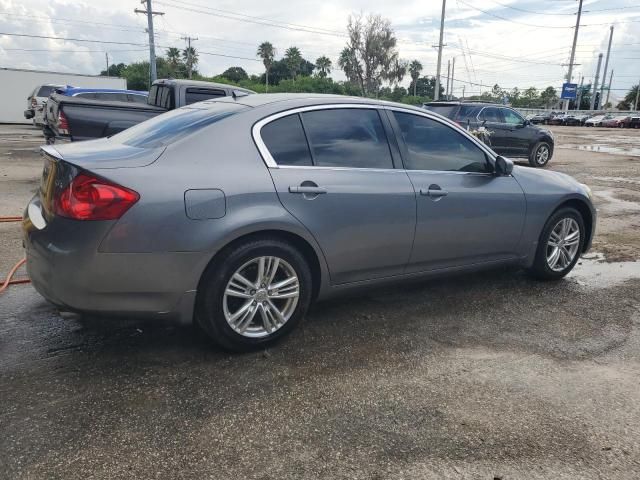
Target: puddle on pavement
x,y
604,148
592,271
616,204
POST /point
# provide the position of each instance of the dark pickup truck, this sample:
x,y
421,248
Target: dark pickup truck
x,y
74,118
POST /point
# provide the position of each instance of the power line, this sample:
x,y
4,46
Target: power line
x,y
509,20
530,11
47,37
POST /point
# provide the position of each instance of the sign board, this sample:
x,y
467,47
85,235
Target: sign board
x,y
569,91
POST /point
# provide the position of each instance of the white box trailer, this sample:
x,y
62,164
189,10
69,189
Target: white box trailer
x,y
18,84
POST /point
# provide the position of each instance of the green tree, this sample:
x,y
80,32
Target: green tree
x,y
415,67
293,59
115,70
397,71
530,97
190,57
235,74
173,60
549,97
370,52
426,87
267,53
629,100
323,66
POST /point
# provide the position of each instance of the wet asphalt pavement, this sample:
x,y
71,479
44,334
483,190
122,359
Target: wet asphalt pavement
x,y
490,375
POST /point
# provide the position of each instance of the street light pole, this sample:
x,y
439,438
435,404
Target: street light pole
x,y
573,52
595,84
436,94
606,65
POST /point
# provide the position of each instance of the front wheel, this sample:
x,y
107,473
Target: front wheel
x,y
254,294
540,154
559,245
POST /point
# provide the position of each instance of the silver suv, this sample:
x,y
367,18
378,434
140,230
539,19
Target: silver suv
x,y
36,102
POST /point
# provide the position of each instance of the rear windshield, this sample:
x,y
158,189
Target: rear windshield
x,y
174,125
45,91
444,110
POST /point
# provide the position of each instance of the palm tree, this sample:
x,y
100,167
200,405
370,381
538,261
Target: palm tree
x,y
190,59
323,65
267,53
173,59
293,59
398,71
415,68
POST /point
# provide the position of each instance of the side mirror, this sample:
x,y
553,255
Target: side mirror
x,y
526,122
504,166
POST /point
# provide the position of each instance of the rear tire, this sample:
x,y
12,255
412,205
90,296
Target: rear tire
x,y
241,316
558,252
540,154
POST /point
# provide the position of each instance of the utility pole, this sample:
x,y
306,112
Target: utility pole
x,y
595,84
152,45
463,92
579,99
573,51
436,93
606,64
453,72
106,56
189,64
446,94
608,89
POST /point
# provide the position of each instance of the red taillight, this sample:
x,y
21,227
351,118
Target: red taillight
x,y
92,198
63,123
34,102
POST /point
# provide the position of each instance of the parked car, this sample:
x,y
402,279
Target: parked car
x,y
575,120
510,133
541,118
36,102
231,213
105,94
620,121
635,122
75,118
557,119
596,121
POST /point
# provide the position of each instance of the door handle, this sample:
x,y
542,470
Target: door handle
x,y
434,191
307,190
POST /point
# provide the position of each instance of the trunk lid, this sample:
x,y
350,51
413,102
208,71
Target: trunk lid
x,y
102,153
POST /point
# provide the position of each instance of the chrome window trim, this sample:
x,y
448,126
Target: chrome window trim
x,y
271,163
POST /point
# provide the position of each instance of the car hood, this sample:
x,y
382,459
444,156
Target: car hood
x,y
535,180
104,153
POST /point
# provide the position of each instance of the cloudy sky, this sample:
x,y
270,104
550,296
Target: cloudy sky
x,y
515,43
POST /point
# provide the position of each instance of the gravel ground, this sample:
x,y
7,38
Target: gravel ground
x,y
491,375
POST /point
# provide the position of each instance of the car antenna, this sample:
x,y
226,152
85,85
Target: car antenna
x,y
238,93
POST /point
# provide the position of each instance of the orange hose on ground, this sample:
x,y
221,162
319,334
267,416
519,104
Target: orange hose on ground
x,y
12,272
10,219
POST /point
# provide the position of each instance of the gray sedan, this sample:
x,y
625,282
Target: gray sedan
x,y
239,212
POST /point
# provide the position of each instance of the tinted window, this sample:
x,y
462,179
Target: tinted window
x,y
466,111
511,117
194,95
286,141
348,137
491,114
174,125
87,95
434,146
45,91
444,110
161,96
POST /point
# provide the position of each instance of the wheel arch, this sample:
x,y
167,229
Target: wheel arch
x,y
587,217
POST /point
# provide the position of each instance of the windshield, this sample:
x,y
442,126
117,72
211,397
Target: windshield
x,y
174,125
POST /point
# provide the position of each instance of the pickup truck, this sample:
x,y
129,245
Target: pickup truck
x,y
75,118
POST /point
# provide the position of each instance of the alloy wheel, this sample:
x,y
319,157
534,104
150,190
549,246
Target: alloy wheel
x,y
563,244
261,296
542,155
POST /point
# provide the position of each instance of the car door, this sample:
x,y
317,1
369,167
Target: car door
x,y
465,214
333,170
519,134
492,120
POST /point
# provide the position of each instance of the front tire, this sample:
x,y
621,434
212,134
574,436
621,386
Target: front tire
x,y
540,154
560,245
254,294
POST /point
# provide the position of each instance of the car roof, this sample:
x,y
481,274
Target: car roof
x,y
449,103
292,100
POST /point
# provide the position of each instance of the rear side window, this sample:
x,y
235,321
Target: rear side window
x,y
491,114
194,95
348,137
286,141
174,125
466,112
432,145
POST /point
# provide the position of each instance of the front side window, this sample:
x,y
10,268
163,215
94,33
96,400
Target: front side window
x,y
286,142
491,114
194,95
347,137
432,145
511,117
